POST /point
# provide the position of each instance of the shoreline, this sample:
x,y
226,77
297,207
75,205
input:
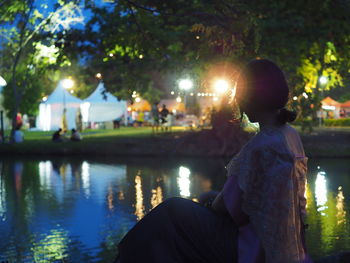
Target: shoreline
x,y
204,143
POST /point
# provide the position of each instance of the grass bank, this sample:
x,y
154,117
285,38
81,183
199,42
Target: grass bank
x,y
128,141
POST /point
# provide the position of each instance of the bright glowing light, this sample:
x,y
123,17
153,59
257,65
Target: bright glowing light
x,y
111,55
221,86
198,94
178,99
110,198
99,75
44,98
191,94
157,197
72,91
323,80
321,191
45,169
139,207
2,201
172,93
141,56
327,107
295,98
138,99
184,181
185,84
67,83
174,111
305,95
198,37
129,108
85,178
2,82
215,99
340,206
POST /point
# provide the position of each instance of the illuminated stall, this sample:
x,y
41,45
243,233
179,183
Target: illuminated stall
x,y
52,108
102,106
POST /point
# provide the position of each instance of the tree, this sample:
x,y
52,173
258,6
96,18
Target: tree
x,y
29,46
134,42
144,45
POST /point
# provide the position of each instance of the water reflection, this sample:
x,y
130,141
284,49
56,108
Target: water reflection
x,y
139,207
184,182
85,176
321,191
51,247
2,196
78,210
157,196
341,206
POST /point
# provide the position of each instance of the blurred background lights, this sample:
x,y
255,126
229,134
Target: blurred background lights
x,y
185,84
184,181
221,86
67,83
99,75
178,99
138,99
323,80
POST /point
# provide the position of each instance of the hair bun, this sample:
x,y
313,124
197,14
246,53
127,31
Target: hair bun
x,y
285,116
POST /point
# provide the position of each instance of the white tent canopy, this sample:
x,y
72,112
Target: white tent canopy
x,y
102,106
51,111
7,122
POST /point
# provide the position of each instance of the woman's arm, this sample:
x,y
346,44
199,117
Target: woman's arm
x,y
219,204
230,200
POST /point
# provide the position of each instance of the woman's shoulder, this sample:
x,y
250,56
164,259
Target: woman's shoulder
x,y
271,140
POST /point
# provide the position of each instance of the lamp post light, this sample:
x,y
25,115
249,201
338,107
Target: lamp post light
x,y
185,85
98,76
221,86
323,81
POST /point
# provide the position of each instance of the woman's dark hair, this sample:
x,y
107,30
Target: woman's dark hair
x,y
263,83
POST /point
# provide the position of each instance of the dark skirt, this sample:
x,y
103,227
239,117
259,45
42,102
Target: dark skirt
x,y
180,230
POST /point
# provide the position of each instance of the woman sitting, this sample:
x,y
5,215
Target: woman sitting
x,y
258,216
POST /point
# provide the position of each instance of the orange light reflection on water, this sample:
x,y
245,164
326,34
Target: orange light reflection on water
x,y
139,206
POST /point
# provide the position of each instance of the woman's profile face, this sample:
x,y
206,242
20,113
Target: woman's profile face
x,y
244,99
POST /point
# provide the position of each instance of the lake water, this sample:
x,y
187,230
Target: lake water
x,y
64,210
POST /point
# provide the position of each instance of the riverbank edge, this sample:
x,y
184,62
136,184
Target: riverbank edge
x,y
191,144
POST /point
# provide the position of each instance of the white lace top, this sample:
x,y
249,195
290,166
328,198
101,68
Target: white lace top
x,y
271,173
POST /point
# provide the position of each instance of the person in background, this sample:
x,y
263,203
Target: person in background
x,y
155,117
75,137
164,113
18,136
140,118
163,117
116,122
169,121
57,136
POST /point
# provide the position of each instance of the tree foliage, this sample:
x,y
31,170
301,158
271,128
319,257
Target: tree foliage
x,y
28,48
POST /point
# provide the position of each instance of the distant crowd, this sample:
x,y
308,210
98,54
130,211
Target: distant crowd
x,y
60,136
